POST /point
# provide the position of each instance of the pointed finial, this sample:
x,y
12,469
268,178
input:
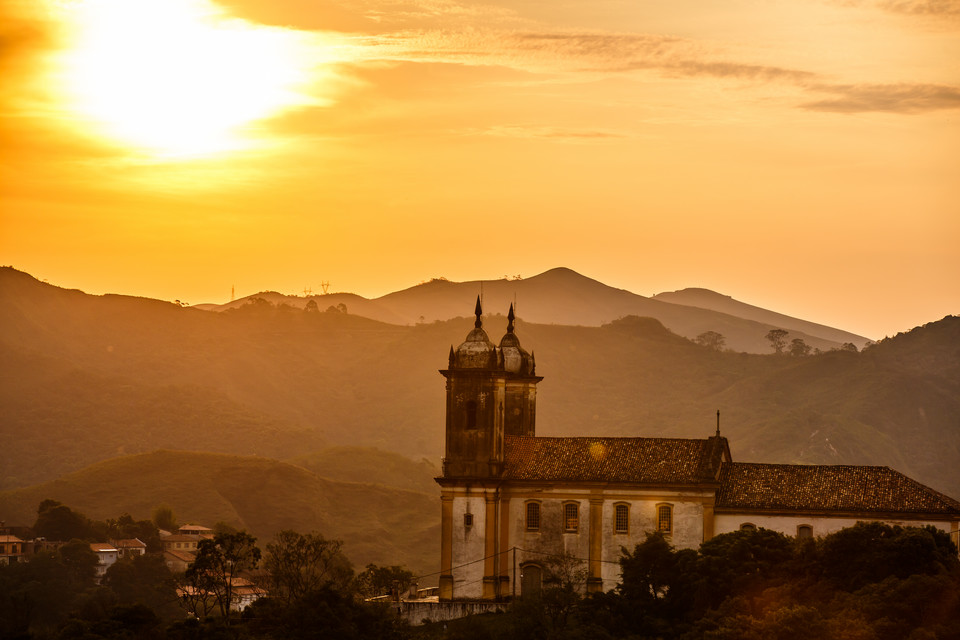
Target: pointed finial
x,y
718,423
478,311
510,319
452,357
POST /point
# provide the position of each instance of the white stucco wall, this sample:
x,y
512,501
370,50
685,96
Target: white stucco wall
x,y
468,546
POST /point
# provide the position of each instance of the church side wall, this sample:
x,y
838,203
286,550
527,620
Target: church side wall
x,y
468,545
822,525
546,546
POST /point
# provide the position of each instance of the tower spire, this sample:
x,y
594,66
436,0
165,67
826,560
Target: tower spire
x,y
478,311
718,423
510,319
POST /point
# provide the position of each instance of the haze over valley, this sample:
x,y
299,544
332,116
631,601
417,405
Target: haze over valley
x,y
96,386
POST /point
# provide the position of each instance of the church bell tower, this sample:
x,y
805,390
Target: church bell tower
x,y
491,393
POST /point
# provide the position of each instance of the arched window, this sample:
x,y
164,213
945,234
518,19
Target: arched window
x,y
748,526
533,516
621,518
665,518
571,517
804,531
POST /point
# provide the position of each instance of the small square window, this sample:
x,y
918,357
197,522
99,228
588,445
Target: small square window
x,y
571,517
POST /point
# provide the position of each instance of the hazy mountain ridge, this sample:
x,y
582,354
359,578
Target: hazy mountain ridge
x,y
562,296
379,524
707,299
278,382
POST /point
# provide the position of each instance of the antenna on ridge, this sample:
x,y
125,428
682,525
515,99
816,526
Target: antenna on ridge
x,y
718,423
325,285
232,288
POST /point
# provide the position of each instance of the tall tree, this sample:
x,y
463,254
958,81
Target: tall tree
x,y
799,348
56,521
299,564
778,339
711,340
220,561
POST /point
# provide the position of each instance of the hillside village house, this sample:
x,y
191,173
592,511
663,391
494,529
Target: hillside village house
x,y
11,549
513,503
180,548
130,547
106,556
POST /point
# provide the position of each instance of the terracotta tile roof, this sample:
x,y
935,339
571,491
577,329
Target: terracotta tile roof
x,y
6,538
102,546
130,543
182,537
195,528
839,488
634,460
183,556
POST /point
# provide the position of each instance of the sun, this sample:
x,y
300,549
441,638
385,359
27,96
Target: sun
x,y
179,77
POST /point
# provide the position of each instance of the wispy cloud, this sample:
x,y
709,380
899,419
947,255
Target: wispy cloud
x,y
943,8
940,9
608,53
891,98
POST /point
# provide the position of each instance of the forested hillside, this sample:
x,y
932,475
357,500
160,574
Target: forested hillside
x,y
88,378
378,524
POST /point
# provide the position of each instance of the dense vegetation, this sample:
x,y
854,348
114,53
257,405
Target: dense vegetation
x,y
869,582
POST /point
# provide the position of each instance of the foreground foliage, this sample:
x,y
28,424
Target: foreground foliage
x,y
870,582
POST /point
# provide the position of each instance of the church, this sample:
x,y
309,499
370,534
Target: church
x,y
514,504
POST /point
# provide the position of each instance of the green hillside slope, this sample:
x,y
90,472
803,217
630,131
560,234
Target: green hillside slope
x,y
363,464
377,523
91,377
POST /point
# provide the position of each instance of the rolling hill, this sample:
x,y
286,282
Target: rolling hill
x,y
377,523
88,378
562,296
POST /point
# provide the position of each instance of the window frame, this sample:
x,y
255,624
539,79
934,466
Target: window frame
x,y
659,518
538,509
747,526
467,520
805,527
566,517
617,508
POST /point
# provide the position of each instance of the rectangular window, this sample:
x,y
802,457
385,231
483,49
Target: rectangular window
x,y
804,531
664,518
533,516
571,516
468,519
621,519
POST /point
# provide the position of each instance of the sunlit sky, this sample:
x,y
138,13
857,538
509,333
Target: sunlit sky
x,y
799,155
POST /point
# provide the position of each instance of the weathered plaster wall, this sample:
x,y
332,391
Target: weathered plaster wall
x,y
468,545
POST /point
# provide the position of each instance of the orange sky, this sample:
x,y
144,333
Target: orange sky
x,y
800,155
